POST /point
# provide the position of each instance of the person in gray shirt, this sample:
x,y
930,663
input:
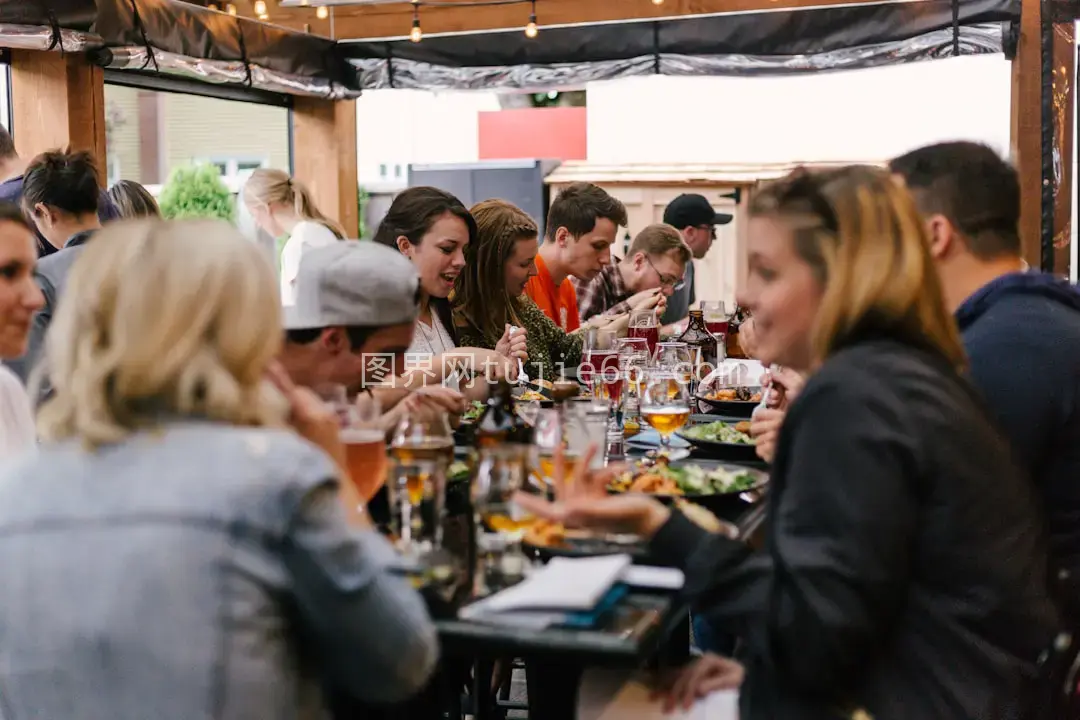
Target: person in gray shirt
x,y
696,220
187,543
60,194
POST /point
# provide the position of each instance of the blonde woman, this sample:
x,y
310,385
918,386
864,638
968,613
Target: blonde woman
x,y
281,206
174,538
903,572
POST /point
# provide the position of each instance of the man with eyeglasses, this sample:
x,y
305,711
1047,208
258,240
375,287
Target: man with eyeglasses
x,y
650,273
696,219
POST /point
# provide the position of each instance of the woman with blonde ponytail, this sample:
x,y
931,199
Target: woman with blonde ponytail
x,y
281,205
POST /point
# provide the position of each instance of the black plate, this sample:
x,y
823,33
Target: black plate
x,y
575,547
721,504
736,452
741,409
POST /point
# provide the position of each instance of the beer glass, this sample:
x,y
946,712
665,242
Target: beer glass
x,y
422,448
365,445
501,523
665,405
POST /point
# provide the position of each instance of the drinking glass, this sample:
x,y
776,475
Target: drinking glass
x,y
645,324
365,445
501,523
600,362
675,358
586,423
546,440
634,357
422,448
665,405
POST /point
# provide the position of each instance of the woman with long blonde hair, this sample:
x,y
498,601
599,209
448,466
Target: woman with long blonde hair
x,y
282,205
903,569
174,531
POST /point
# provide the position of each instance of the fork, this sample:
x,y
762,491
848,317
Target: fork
x,y
523,378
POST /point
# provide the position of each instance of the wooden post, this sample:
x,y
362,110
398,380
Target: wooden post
x,y
1026,129
1064,92
58,101
324,156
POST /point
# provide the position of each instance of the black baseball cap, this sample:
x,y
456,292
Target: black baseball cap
x,y
693,210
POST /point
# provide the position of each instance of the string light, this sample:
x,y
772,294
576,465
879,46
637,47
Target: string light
x,y
531,29
416,33
321,12
260,8
657,2
231,9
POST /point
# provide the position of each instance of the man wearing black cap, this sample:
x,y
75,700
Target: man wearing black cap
x,y
696,219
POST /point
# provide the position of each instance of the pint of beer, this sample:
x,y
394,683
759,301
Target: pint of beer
x,y
365,457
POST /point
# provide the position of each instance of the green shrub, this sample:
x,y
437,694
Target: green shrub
x,y
196,192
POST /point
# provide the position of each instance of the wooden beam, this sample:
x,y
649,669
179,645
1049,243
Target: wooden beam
x,y
324,152
1064,59
1026,129
394,20
58,101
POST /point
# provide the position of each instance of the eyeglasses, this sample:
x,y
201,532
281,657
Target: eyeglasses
x,y
675,284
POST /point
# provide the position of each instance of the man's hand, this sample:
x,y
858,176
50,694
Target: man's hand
x,y
646,300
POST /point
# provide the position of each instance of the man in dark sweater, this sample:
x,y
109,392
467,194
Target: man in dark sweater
x,y
12,169
1021,329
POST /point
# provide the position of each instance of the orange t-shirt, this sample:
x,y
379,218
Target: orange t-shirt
x,y
558,303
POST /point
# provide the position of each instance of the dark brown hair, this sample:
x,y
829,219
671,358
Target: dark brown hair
x,y
66,181
133,200
7,145
415,210
480,299
971,186
577,207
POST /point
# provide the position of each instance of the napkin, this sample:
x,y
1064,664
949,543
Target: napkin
x,y
615,695
564,585
650,438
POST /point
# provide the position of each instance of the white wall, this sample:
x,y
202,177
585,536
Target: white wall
x,y
398,127
864,115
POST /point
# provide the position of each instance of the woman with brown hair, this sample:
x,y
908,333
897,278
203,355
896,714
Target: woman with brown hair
x,y
903,570
489,295
133,200
280,205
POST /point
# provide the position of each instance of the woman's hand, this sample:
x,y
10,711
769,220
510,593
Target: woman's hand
x,y
784,386
748,338
765,429
512,344
702,677
582,500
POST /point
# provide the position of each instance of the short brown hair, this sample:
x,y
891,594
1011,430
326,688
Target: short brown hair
x,y
660,239
578,206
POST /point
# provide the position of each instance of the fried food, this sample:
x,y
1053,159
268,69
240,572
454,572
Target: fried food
x,y
543,533
738,394
743,427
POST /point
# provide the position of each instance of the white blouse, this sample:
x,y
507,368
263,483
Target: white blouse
x,y
17,434
305,236
431,340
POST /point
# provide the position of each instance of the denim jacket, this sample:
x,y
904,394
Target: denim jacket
x,y
198,571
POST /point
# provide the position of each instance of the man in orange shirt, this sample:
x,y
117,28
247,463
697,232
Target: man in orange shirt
x,y
581,229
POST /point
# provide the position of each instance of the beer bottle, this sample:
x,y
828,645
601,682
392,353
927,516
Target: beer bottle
x,y
497,422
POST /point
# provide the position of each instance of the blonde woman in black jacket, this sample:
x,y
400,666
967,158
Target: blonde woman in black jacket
x,y
903,574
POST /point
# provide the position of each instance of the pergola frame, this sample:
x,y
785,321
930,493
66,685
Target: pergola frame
x,y
57,99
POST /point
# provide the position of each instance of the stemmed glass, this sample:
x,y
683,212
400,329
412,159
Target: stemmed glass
x,y
675,358
423,448
634,356
645,324
547,439
665,405
600,361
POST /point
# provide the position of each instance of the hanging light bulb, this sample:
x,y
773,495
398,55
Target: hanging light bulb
x,y
231,9
322,13
531,30
657,2
260,8
305,3
416,33
213,6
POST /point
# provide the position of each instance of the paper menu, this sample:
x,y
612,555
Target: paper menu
x,y
563,585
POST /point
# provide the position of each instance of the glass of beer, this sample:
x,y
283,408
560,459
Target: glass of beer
x,y
365,445
549,437
422,448
665,405
501,522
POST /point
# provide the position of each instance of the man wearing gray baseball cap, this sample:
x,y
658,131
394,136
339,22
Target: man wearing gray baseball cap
x,y
356,304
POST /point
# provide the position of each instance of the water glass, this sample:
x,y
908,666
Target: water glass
x,y
422,449
500,522
587,424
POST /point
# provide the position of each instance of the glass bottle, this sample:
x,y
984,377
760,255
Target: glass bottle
x,y
701,342
496,424
734,349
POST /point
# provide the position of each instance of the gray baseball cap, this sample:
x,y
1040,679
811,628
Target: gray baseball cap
x,y
353,283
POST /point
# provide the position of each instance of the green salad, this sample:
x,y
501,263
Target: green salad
x,y
474,411
695,480
717,432
457,471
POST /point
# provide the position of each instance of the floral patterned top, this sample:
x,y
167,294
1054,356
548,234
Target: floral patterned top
x,y
550,349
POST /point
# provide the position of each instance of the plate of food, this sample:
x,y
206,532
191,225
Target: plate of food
x,y
724,440
473,412
546,539
736,402
714,485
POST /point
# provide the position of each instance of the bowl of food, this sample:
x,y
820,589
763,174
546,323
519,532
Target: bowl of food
x,y
738,402
721,439
718,487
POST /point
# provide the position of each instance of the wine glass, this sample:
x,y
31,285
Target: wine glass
x,y
675,358
422,447
634,356
546,440
665,405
